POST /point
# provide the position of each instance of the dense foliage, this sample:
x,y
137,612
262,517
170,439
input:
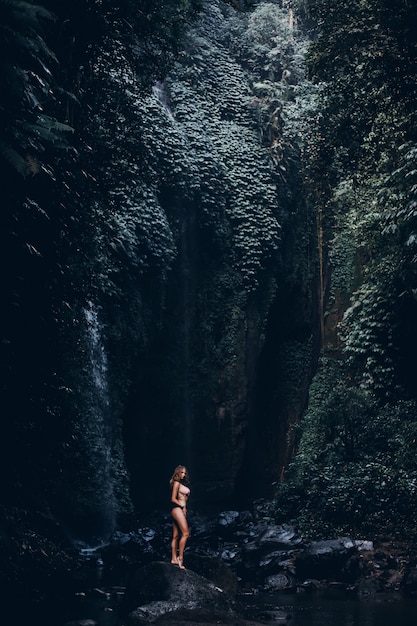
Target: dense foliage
x,y
53,359
221,141
147,228
356,469
173,184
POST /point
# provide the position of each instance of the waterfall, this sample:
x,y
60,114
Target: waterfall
x,y
160,94
98,424
97,354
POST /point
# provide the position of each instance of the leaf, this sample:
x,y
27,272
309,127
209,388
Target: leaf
x,y
14,159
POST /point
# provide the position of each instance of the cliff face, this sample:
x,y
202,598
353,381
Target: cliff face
x,y
228,373
185,317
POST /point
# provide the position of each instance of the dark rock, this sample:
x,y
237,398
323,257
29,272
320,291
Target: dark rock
x,y
326,559
203,527
271,550
228,518
272,558
279,537
277,582
311,585
163,590
229,552
410,581
368,587
268,539
214,569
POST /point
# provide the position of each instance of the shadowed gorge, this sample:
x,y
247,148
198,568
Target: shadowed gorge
x,y
185,217
208,243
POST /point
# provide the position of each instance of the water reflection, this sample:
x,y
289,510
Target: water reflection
x,y
101,607
316,610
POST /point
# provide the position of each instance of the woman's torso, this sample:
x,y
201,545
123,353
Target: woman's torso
x,y
183,491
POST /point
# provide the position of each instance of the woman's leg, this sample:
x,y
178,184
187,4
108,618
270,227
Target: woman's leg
x,y
174,543
181,521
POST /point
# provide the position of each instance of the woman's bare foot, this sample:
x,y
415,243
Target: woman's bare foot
x,y
175,562
180,563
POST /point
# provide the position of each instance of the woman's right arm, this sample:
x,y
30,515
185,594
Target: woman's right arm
x,y
174,493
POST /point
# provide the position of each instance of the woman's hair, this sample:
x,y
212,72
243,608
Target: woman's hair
x,y
176,474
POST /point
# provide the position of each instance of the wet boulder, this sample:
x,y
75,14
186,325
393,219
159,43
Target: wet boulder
x,y
269,551
161,590
283,537
228,518
214,569
277,582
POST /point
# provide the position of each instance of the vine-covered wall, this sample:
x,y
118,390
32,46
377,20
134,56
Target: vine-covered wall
x,y
182,278
244,246
355,468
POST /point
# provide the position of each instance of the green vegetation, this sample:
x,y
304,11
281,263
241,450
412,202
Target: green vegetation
x,y
28,134
61,221
185,205
146,250
355,471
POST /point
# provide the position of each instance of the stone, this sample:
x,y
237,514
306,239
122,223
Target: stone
x,y
227,518
214,569
160,590
284,537
276,582
325,559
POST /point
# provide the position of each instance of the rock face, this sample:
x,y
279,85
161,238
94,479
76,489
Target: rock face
x,y
185,330
163,590
216,380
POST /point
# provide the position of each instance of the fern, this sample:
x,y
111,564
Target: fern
x,y
30,86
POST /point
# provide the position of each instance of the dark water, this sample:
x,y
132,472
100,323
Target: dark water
x,y
280,609
100,600
316,610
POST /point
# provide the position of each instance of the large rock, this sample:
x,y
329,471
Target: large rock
x,y
269,550
215,570
283,537
327,559
159,590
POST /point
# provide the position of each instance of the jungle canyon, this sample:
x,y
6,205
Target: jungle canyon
x,y
209,258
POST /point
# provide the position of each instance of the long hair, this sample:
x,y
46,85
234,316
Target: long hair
x,y
176,475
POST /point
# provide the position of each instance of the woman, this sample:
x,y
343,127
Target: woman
x,y
179,496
